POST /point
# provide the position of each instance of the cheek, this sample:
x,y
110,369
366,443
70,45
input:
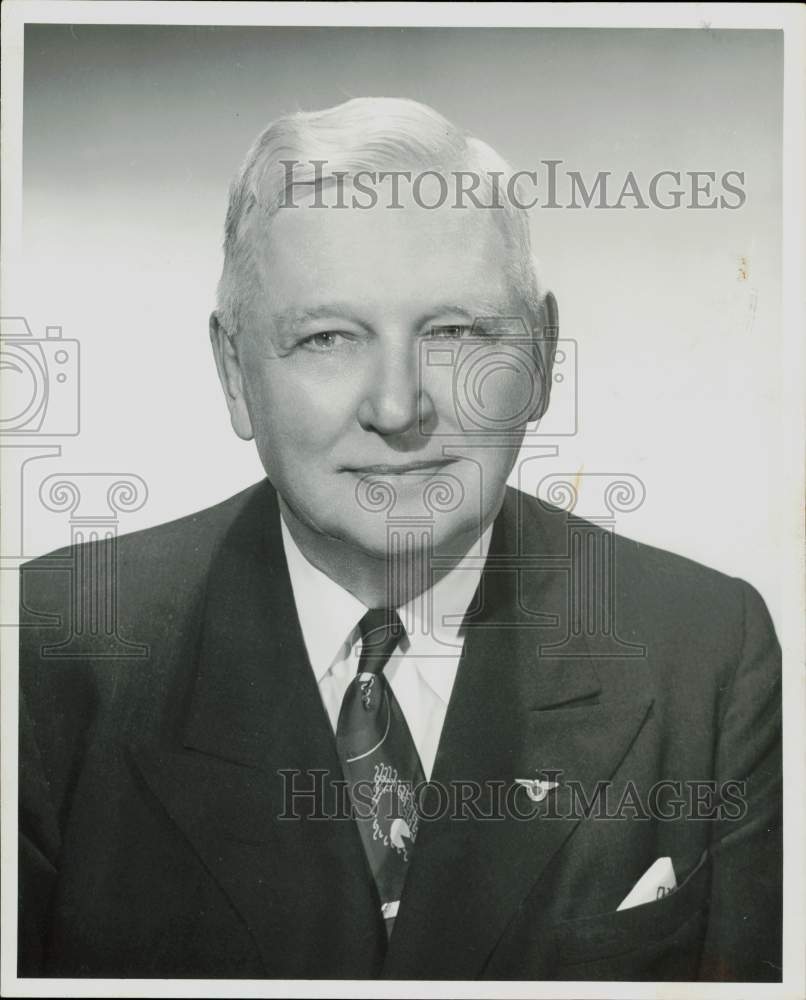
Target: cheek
x,y
483,390
295,418
502,391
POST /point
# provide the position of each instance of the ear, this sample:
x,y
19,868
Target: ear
x,y
230,374
545,347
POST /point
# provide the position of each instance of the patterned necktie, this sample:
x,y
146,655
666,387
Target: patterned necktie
x,y
380,761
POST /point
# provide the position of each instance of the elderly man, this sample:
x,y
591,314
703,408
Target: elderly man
x,y
371,737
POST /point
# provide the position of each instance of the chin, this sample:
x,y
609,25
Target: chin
x,y
384,538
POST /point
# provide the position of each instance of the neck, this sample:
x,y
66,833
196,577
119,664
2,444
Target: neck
x,y
377,581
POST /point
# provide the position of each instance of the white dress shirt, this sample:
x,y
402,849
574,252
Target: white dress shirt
x,y
422,669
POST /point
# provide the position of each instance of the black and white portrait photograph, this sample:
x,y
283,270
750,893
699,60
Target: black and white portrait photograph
x,y
402,488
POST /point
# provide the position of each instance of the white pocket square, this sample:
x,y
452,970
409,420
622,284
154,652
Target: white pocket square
x,y
656,882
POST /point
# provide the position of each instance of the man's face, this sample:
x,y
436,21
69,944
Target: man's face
x,y
371,400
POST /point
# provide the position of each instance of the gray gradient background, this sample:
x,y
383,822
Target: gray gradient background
x,y
131,135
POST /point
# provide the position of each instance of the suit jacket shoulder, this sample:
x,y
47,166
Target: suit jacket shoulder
x,y
669,597
99,625
153,564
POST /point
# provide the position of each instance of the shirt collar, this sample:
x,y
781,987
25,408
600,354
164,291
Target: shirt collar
x,y
328,613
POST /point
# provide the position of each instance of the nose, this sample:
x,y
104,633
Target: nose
x,y
394,402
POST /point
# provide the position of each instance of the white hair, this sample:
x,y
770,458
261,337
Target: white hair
x,y
363,134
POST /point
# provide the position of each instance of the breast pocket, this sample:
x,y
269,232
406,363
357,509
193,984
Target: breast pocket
x,y
669,927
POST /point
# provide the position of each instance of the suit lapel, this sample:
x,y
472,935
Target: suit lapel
x,y
255,718
514,713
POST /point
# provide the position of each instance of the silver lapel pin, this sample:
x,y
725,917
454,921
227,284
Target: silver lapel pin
x,y
536,789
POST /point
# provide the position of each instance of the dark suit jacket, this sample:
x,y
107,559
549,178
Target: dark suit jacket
x,y
150,793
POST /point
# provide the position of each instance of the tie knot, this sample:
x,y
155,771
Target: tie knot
x,y
381,630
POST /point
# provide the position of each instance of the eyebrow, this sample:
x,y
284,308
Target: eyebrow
x,y
291,317
471,310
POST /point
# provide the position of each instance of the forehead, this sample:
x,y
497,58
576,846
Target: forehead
x,y
385,261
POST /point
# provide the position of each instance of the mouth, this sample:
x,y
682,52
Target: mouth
x,y
424,467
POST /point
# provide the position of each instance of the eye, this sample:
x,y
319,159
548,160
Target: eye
x,y
323,341
450,331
